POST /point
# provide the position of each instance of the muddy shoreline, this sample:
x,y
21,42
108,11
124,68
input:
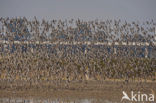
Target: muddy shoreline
x,y
110,90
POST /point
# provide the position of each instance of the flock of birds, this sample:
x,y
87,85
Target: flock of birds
x,y
55,62
76,30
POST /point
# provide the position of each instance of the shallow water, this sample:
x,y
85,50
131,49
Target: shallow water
x,y
31,100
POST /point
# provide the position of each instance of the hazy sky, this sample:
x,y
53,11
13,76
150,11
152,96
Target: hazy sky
x,y
84,9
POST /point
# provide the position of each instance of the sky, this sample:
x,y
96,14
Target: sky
x,y
83,9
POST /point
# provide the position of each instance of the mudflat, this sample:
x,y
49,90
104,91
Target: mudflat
x,y
108,89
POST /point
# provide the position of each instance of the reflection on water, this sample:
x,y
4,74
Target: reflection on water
x,y
22,100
